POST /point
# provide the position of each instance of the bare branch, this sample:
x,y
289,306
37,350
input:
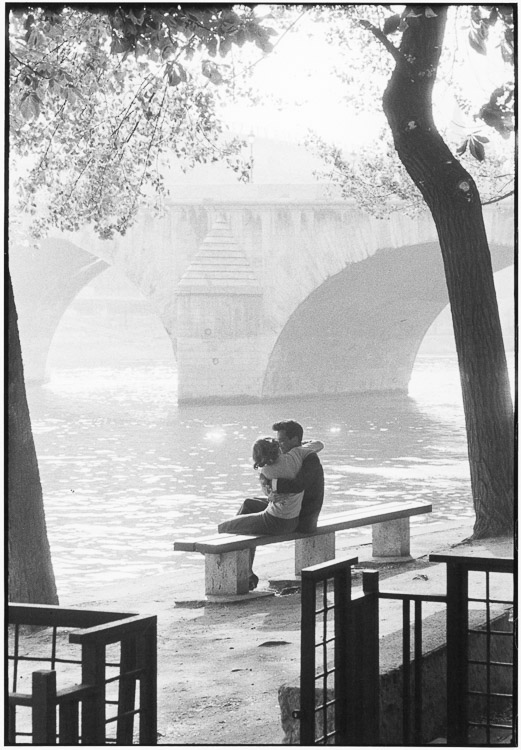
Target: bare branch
x,y
499,198
389,46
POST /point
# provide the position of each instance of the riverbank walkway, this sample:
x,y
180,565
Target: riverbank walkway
x,y
220,666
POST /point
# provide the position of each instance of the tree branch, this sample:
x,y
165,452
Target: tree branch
x,y
389,46
499,198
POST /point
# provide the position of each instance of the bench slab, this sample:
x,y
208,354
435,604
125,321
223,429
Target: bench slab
x,y
227,555
349,519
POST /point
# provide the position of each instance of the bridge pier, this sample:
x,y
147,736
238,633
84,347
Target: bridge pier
x,y
219,312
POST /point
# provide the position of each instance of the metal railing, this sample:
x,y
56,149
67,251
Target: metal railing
x,y
111,661
482,689
340,654
339,658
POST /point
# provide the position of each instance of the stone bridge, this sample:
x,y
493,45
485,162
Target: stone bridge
x,y
265,296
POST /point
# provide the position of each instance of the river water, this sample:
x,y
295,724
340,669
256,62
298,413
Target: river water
x,y
125,471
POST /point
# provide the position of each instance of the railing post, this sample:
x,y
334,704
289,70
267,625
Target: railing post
x,y
457,647
307,661
69,723
93,707
147,660
342,588
361,666
368,658
44,707
11,724
127,691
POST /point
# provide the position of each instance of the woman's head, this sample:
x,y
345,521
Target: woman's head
x,y
265,452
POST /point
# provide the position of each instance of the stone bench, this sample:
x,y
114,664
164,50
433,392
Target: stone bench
x,y
227,555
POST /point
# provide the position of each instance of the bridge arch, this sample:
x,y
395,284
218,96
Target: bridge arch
x,y
361,329
45,282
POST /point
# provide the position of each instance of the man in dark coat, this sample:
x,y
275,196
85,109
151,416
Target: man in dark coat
x,y
309,480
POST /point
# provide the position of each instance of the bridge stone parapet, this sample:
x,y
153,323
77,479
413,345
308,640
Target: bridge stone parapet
x,y
314,296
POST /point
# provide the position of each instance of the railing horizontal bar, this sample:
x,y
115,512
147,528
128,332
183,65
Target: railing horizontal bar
x,y
323,571
321,644
325,610
321,707
123,675
75,693
111,632
43,659
486,564
20,699
491,663
491,725
401,596
492,601
490,695
126,713
54,615
324,674
328,704
481,631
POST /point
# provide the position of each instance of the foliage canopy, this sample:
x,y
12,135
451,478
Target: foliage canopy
x,y
101,98
104,98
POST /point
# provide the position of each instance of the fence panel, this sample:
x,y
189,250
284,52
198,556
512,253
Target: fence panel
x,y
340,681
482,658
113,655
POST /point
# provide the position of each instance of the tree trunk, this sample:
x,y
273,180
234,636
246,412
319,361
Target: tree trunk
x,y
455,204
31,575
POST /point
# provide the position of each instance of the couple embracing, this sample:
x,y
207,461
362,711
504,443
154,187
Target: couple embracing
x,y
292,479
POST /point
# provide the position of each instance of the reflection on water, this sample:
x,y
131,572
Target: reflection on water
x,y
125,471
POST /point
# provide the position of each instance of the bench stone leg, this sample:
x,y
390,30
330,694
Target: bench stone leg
x,y
227,572
392,538
313,550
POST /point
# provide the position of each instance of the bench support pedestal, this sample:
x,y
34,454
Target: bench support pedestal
x,y
227,572
313,550
392,538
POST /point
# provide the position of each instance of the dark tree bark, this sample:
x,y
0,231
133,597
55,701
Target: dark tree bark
x,y
454,201
31,575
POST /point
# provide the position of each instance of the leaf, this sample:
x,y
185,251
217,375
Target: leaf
x,y
477,149
507,51
225,46
119,45
175,74
482,139
30,106
240,37
477,43
139,18
429,13
211,71
212,46
391,24
461,149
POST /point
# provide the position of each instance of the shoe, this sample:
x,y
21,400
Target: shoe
x,y
253,581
